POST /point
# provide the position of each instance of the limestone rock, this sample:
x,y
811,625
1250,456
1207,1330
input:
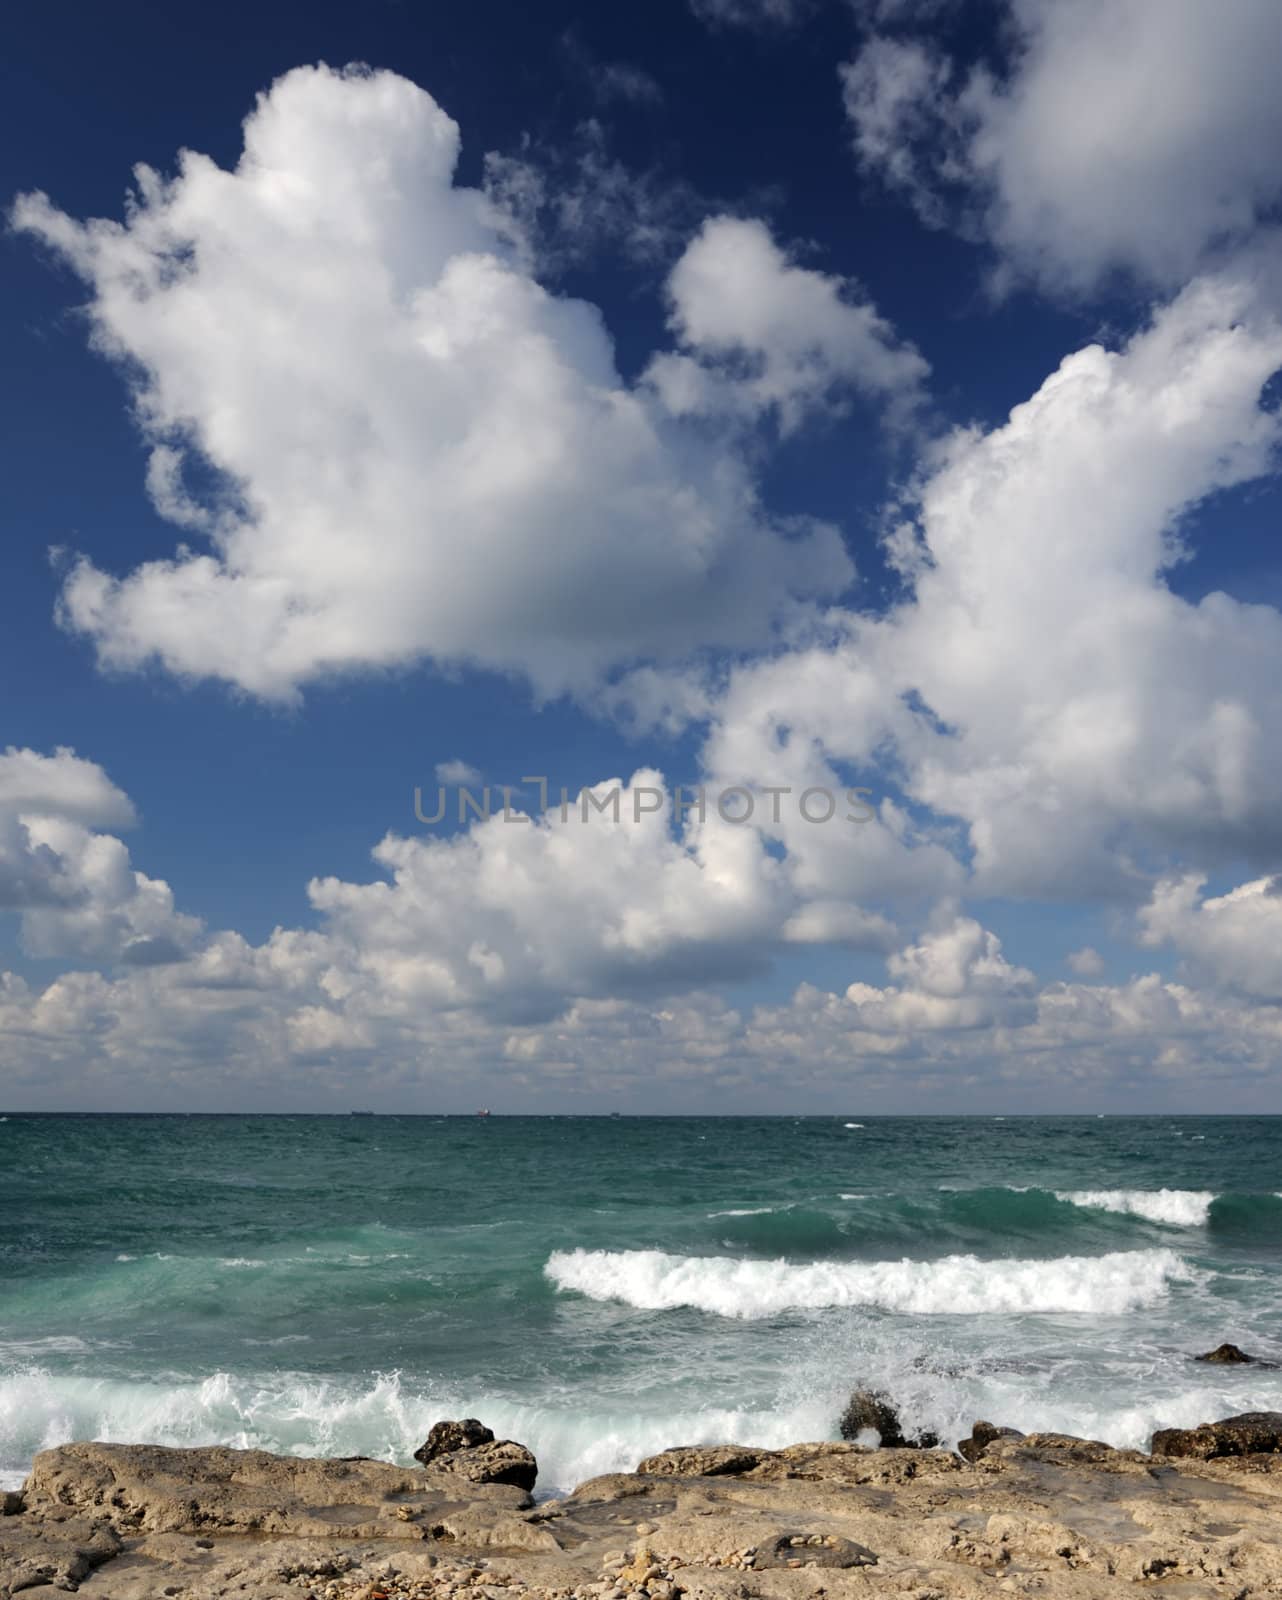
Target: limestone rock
x,y
870,1409
702,1461
982,1435
503,1461
1249,1433
443,1438
469,1448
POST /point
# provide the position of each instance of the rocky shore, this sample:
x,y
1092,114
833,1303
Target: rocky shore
x,y
1041,1515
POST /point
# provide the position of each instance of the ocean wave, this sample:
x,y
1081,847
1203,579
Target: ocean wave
x,y
386,1418
652,1280
1177,1208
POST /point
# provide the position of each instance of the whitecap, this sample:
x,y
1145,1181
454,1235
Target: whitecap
x,y
653,1280
1177,1208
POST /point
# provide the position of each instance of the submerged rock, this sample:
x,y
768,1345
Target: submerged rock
x,y
1229,1355
982,1435
1249,1433
868,1408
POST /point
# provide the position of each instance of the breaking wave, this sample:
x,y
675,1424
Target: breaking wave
x,y
652,1280
1179,1208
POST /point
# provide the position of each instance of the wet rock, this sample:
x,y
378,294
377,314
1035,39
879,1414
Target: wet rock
x,y
703,1461
503,1461
982,1435
868,1408
11,1503
469,1449
1249,1433
443,1438
1230,1355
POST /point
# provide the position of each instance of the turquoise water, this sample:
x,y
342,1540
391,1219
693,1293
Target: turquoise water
x,y
599,1287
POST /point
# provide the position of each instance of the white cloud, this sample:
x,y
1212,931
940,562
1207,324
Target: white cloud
x,y
1233,940
1039,680
1086,962
456,772
1122,136
75,890
765,335
423,453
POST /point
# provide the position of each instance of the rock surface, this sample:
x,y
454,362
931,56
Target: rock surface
x,y
868,1409
443,1438
470,1449
1250,1433
1050,1516
982,1434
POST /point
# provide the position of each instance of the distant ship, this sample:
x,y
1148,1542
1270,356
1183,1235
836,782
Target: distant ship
x,y
483,1113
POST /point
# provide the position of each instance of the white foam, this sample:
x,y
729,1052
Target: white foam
x,y
1178,1208
745,1211
574,1437
655,1281
854,1124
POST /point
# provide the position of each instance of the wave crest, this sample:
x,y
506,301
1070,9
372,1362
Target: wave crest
x,y
652,1280
1178,1208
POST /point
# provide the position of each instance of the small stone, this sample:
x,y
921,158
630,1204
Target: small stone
x,y
644,1528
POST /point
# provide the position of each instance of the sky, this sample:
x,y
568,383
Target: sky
x,y
812,464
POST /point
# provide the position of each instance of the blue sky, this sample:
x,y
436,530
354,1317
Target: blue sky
x,y
745,391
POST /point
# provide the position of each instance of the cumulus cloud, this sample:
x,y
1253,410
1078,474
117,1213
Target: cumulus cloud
x,y
761,334
1119,136
420,452
294,1022
1233,940
75,890
1086,962
1040,681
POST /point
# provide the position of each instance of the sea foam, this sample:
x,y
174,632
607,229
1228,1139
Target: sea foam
x,y
652,1280
1178,1208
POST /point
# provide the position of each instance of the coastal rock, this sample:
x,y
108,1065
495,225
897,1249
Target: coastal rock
x,y
443,1438
34,1554
812,1550
153,1489
468,1448
1229,1355
982,1435
702,1461
503,1461
1249,1433
870,1409
1050,1516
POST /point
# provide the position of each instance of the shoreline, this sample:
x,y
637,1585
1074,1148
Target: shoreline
x,y
1045,1514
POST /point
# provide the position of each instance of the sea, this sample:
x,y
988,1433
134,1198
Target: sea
x,y
601,1287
